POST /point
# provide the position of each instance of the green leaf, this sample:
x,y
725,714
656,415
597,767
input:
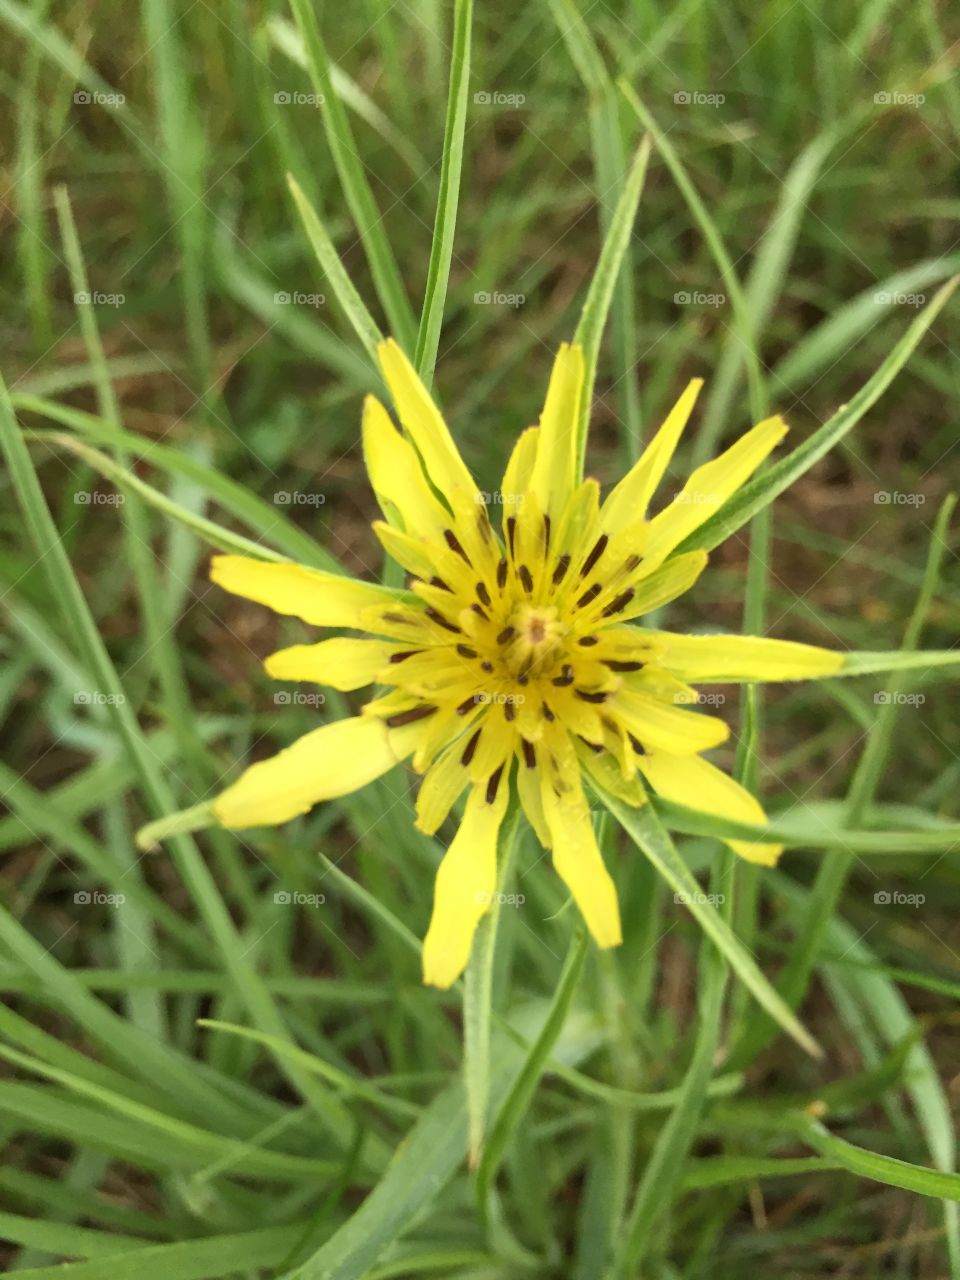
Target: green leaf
x,y
593,317
649,836
364,325
521,1095
353,179
762,489
441,251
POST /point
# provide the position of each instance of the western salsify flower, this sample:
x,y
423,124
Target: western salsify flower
x,y
518,657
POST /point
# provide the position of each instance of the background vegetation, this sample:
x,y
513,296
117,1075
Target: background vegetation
x,y
815,151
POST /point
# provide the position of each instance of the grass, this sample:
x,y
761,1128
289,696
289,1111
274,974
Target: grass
x,y
219,1060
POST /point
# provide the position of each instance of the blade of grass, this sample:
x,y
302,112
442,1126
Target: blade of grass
x,y
596,307
441,251
356,189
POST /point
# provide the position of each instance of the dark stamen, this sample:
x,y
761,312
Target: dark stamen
x,y
454,544
396,617
526,578
596,747
637,745
588,595
598,549
588,641
465,651
441,621
483,524
486,666
481,612
563,564
467,704
546,533
511,531
567,677
529,754
547,713
506,634
471,747
493,785
482,593
510,710
408,717
616,665
439,584
584,696
619,604
407,653
502,574
631,563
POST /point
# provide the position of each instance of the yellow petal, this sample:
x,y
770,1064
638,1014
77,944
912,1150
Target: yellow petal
x,y
697,784
341,663
661,586
442,784
423,422
464,889
396,475
715,659
516,478
576,854
323,599
711,485
665,726
628,502
554,469
330,761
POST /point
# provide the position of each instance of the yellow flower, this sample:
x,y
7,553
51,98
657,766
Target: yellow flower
x,y
517,652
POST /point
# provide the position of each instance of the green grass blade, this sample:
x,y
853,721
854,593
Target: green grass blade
x,y
647,833
353,179
596,307
441,252
353,305
761,490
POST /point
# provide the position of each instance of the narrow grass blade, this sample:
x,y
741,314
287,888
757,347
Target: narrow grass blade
x,y
478,999
761,491
518,1100
647,833
441,252
363,322
353,179
596,308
